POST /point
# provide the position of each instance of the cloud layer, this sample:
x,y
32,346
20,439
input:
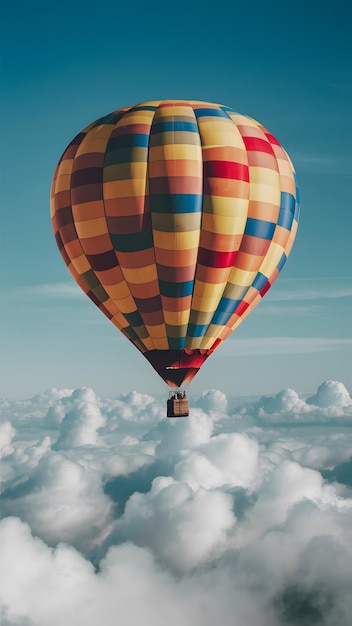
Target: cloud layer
x,y
237,514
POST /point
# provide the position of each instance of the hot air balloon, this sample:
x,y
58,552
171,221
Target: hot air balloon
x,y
175,218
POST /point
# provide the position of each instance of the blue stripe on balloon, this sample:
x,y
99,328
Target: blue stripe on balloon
x,y
133,140
176,203
287,201
228,304
297,212
176,343
196,330
259,228
161,127
226,308
287,210
176,290
285,219
146,107
297,204
112,118
260,281
228,109
209,113
282,262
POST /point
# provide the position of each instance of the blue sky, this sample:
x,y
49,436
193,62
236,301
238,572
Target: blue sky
x,y
288,66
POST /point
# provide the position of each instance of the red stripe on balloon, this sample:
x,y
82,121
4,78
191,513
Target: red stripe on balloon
x,y
272,139
242,308
212,258
265,289
255,143
226,169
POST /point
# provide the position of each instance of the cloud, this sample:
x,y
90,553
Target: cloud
x,y
226,459
114,514
331,393
282,488
62,501
185,528
33,408
179,435
286,401
81,423
55,585
332,401
137,408
213,400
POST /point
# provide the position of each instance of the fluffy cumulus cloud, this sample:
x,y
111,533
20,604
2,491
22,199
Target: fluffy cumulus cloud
x,y
169,517
331,400
213,400
331,394
81,423
112,513
226,459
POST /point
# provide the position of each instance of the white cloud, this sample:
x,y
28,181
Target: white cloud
x,y
80,424
331,393
283,487
178,435
138,408
22,458
212,401
332,400
216,518
286,401
55,586
227,459
62,501
184,528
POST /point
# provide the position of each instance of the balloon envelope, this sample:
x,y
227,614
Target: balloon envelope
x,y
175,218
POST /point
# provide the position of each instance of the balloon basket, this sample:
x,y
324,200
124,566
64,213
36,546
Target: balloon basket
x,y
177,404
